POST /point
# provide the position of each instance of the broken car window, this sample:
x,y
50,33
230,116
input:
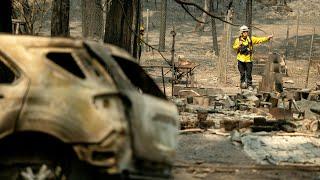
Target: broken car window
x,y
139,77
67,62
7,76
94,67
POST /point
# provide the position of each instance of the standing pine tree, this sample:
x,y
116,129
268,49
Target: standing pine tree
x,y
92,19
122,24
5,16
60,18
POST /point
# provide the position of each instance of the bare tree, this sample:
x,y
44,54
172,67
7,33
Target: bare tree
x,y
92,19
187,3
163,16
122,24
249,15
32,12
5,16
214,30
60,18
184,3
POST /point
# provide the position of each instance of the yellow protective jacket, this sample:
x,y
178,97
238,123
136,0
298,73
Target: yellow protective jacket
x,y
255,40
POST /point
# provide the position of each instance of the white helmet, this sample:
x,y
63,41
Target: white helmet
x,y
244,28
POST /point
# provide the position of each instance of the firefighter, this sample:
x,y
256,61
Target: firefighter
x,y
244,47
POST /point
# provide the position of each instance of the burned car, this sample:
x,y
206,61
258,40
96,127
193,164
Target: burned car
x,y
72,109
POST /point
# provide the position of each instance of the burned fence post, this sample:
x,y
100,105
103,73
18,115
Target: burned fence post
x,y
249,16
163,14
173,33
229,40
163,84
147,31
297,35
215,46
287,43
310,54
224,52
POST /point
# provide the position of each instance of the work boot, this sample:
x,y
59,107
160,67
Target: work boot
x,y
243,85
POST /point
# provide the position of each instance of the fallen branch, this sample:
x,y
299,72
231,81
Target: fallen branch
x,y
183,4
195,130
296,134
218,132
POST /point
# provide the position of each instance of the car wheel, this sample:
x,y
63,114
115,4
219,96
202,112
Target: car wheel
x,y
44,172
39,157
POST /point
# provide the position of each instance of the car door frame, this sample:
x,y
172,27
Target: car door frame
x,y
13,97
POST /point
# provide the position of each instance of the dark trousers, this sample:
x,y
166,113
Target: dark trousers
x,y
245,69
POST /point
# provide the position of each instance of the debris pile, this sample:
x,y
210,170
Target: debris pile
x,y
259,111
270,107
282,150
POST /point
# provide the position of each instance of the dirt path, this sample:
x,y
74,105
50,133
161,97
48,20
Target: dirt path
x,y
238,173
210,148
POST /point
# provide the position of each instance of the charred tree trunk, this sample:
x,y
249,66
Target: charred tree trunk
x,y
27,15
163,16
60,18
137,23
92,19
5,16
122,25
249,15
214,30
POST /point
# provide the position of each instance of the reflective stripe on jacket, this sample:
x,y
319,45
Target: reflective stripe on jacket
x,y
255,40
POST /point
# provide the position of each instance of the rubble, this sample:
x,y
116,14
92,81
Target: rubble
x,y
187,93
314,96
273,124
281,113
245,109
315,109
267,126
306,107
202,119
235,136
279,150
196,90
318,83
